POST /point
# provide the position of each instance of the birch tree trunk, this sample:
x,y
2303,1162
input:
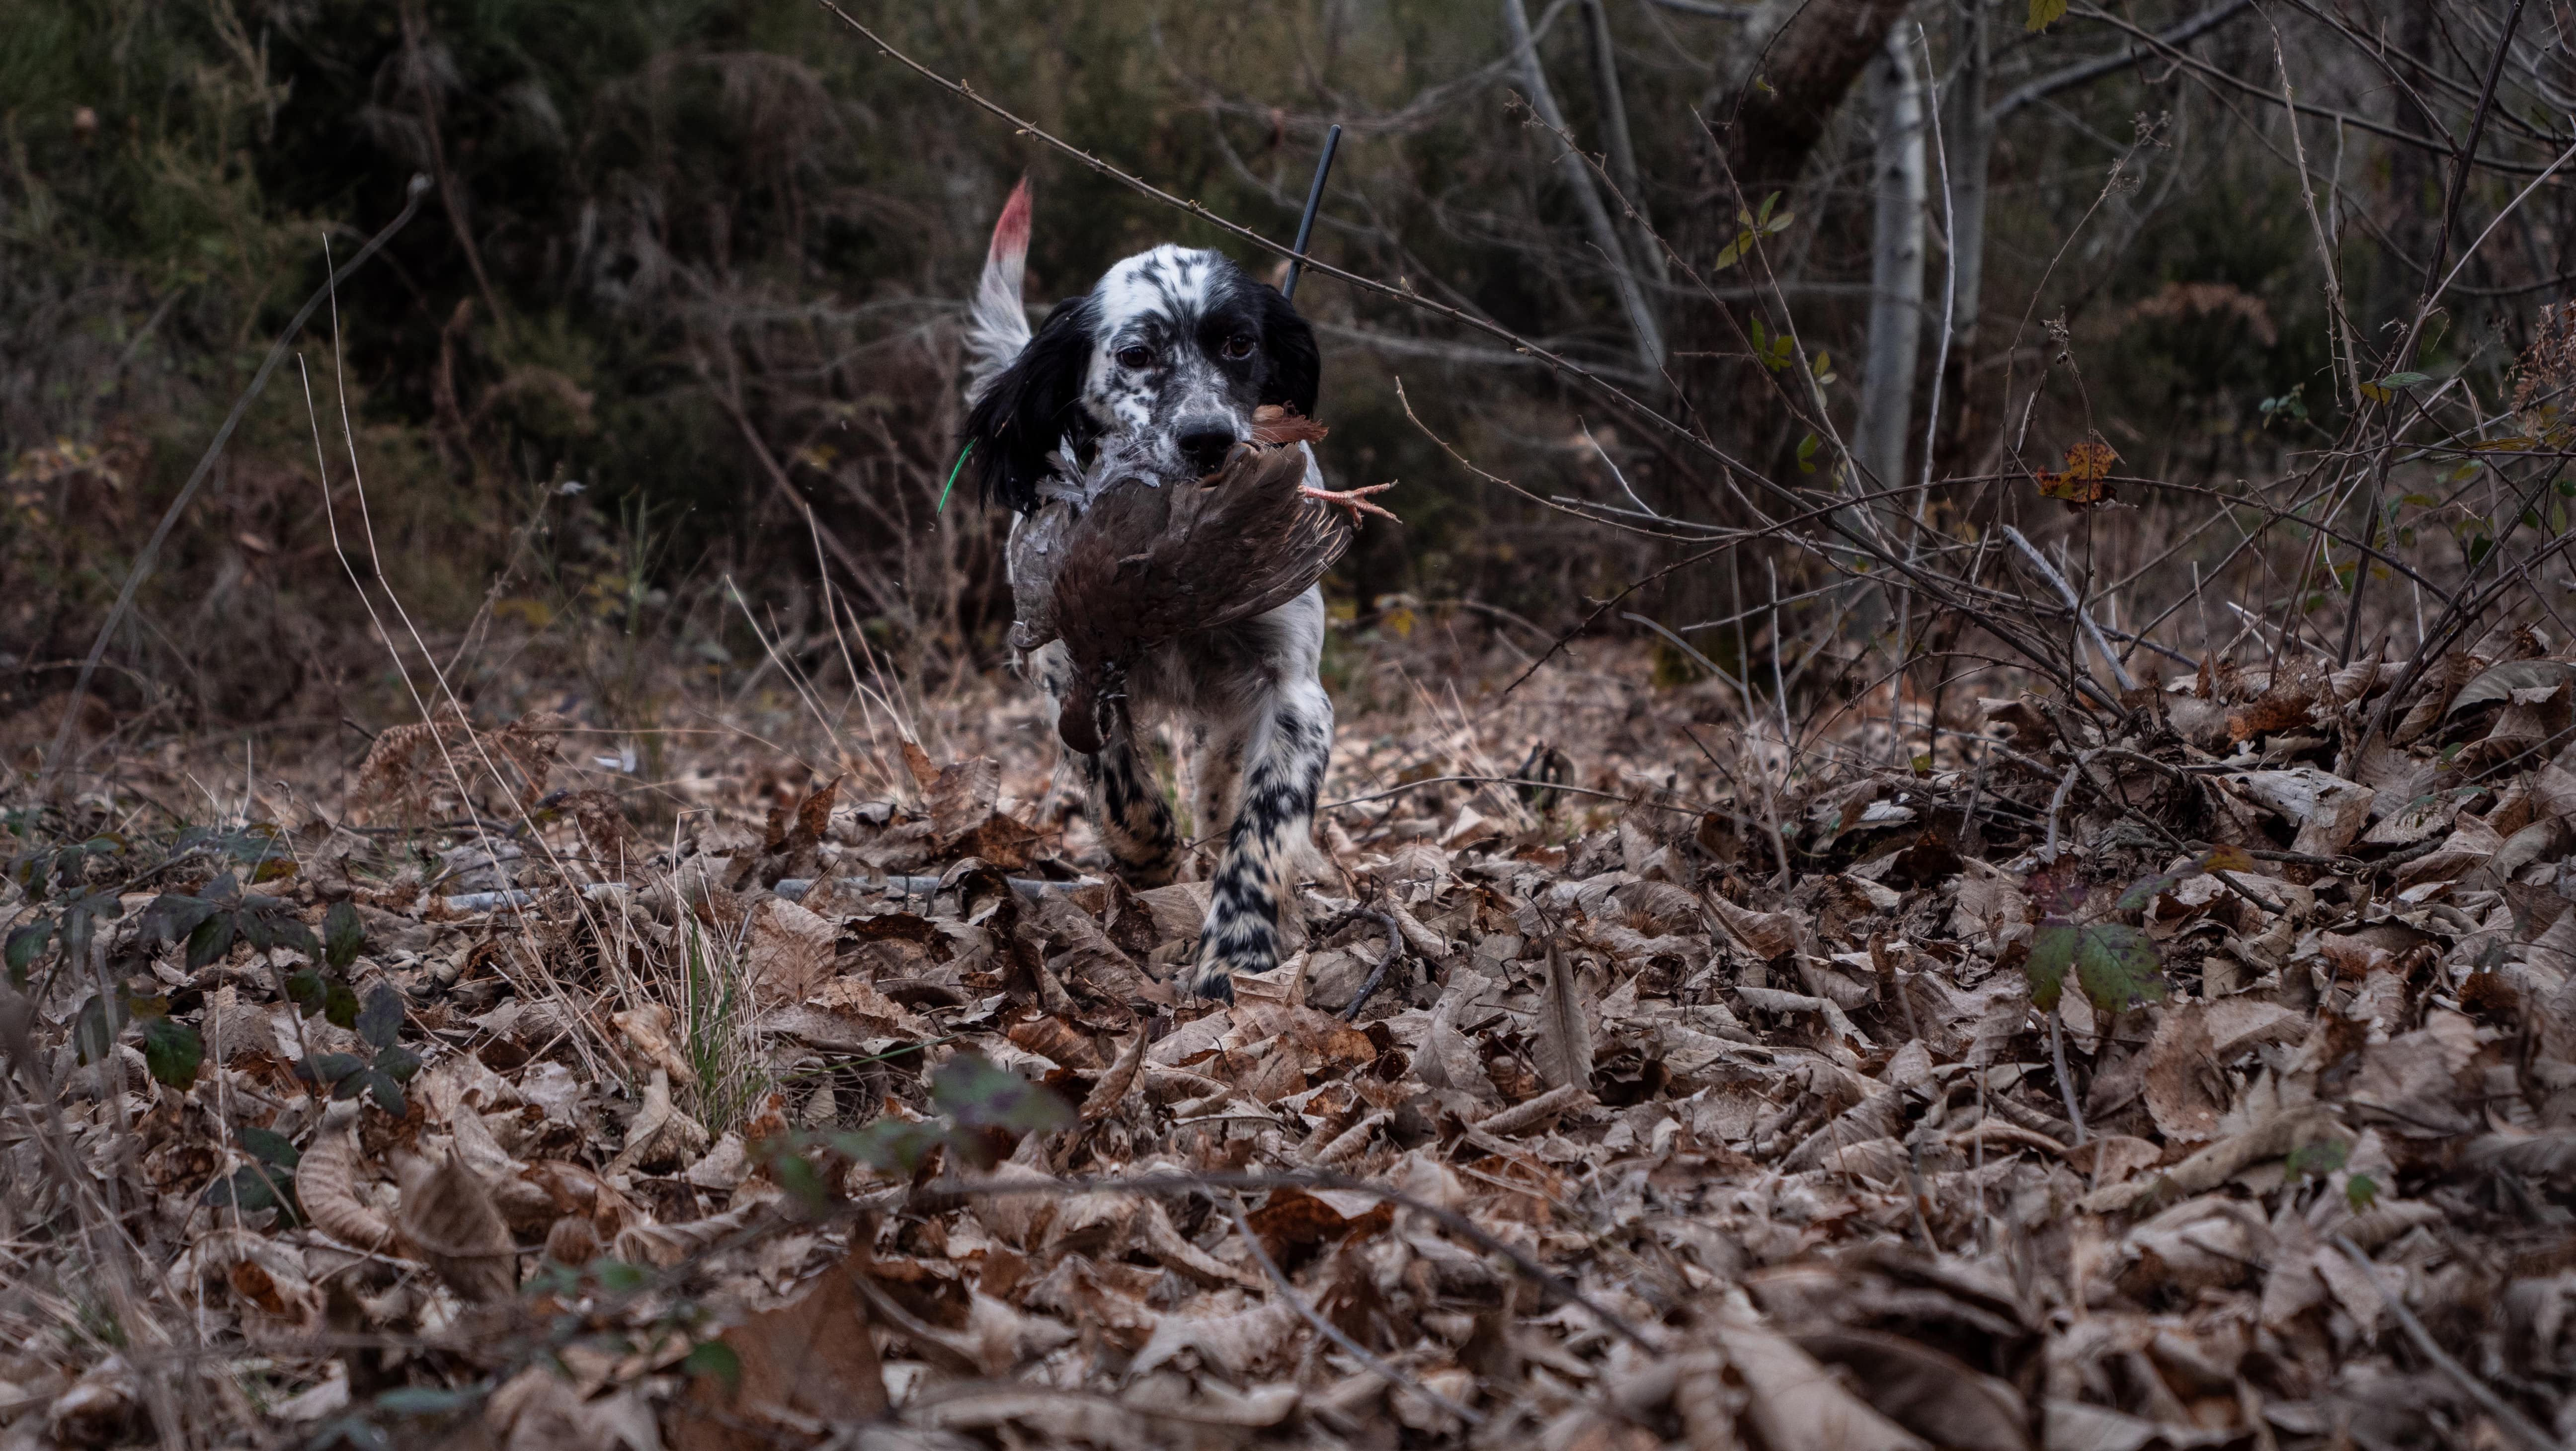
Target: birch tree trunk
x,y
1896,264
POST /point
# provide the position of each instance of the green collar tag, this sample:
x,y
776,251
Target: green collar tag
x,y
952,476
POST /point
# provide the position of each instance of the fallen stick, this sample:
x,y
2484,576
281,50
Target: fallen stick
x,y
792,888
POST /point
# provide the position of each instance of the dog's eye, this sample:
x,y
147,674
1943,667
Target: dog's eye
x,y
1135,356
1237,348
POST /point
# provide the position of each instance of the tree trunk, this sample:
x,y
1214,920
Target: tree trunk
x,y
1897,173
1648,334
1811,52
1968,144
1623,151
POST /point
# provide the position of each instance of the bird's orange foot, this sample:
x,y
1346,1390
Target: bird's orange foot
x,y
1355,500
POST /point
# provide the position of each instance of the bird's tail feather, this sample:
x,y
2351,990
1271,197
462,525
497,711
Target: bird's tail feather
x,y
998,325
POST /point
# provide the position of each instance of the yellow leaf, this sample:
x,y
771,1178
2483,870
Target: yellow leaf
x,y
2044,13
2088,465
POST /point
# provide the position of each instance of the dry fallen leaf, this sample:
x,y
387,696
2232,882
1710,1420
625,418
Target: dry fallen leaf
x,y
807,1361
449,1218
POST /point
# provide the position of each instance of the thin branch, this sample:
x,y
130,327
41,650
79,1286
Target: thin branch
x,y
1330,1331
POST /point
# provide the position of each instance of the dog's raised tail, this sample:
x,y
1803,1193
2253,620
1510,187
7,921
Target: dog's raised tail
x,y
998,322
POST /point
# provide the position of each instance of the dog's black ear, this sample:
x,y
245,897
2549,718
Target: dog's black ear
x,y
1031,407
1296,367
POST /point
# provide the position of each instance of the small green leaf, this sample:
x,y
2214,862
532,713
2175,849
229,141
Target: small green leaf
x,y
2117,967
336,1068
173,916
211,940
343,935
94,1028
978,1093
715,1358
2045,13
381,1020
2405,380
25,944
172,1051
2361,1192
304,989
802,1180
339,1004
247,1189
1779,224
1732,252
2052,952
270,1147
895,1145
387,1093
399,1064
619,1277
290,931
2317,1160
1807,454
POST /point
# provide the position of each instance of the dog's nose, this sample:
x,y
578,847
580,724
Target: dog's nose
x,y
1203,440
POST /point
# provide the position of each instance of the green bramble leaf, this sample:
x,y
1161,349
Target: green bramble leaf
x,y
173,916
343,936
1807,454
892,1144
172,1051
381,1020
2117,967
2114,964
94,1028
339,1004
270,1147
980,1094
715,1358
248,1190
2361,1192
336,1068
384,1090
211,940
25,945
2052,952
304,989
2317,1160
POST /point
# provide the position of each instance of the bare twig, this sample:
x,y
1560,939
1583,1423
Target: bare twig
x,y
1330,1331
2513,1422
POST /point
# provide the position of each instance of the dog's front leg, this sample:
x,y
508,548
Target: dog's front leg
x,y
1125,806
1287,740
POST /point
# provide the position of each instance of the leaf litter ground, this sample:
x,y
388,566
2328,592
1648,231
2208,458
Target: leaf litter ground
x,y
2081,1081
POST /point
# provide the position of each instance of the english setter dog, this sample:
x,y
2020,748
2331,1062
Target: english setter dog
x,y
1167,357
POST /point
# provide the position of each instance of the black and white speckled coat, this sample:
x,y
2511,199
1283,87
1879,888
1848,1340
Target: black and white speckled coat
x,y
1164,363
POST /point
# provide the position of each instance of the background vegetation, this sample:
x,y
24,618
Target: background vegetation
x,y
690,269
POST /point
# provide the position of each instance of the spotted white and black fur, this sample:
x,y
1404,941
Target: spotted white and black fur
x,y
1170,354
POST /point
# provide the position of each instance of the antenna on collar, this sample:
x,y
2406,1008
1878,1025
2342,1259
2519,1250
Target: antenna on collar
x,y
1314,203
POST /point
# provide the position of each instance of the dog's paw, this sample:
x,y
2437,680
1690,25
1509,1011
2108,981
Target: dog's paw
x,y
1148,873
1211,981
1212,975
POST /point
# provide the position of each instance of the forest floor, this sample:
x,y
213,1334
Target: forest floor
x,y
2073,1080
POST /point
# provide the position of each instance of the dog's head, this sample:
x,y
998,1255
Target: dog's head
x,y
1174,349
